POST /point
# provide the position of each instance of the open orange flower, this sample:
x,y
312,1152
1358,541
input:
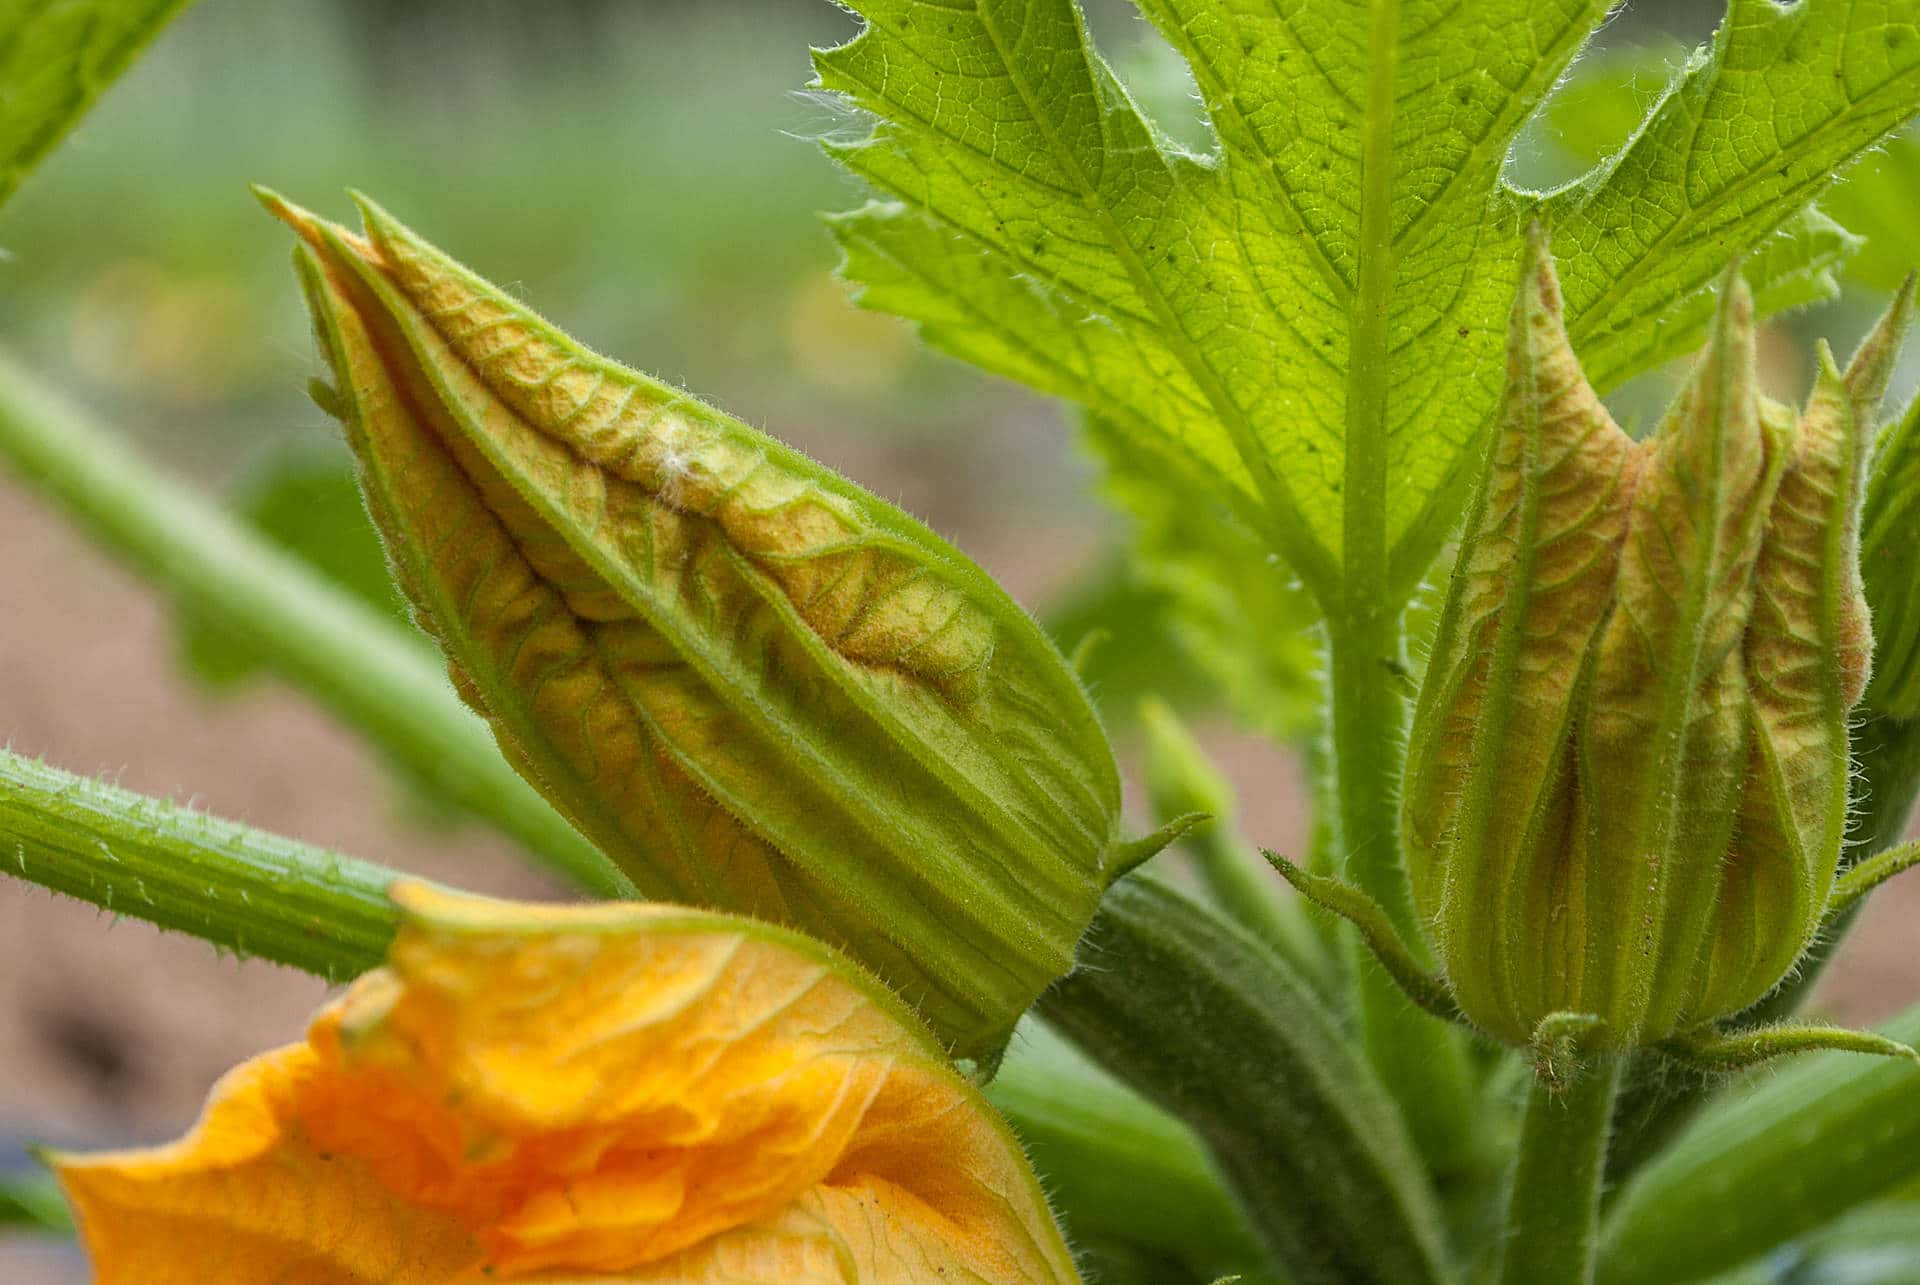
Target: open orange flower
x,y
615,1092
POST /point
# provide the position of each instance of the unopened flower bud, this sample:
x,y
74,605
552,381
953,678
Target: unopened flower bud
x,y
757,687
1890,523
1627,779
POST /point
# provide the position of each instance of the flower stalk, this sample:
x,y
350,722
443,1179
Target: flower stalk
x,y
248,891
1553,1193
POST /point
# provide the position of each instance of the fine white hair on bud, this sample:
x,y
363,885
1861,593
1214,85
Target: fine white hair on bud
x,y
1626,792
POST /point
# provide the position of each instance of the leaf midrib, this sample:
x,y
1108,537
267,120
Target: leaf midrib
x,y
1364,459
1283,525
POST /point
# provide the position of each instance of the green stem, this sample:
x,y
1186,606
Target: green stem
x,y
367,673
1553,1199
1211,1025
1118,1169
1420,1059
254,893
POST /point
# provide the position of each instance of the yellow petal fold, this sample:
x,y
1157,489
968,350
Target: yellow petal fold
x,y
616,1092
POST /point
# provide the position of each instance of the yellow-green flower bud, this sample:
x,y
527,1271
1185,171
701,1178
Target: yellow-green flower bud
x,y
1890,523
1627,779
757,687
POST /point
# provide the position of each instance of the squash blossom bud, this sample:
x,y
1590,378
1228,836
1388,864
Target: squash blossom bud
x,y
754,685
1890,526
1627,780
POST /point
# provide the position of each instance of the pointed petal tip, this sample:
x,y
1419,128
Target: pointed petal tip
x,y
1871,366
382,229
1736,295
1825,364
268,197
298,217
372,214
1731,336
324,235
1539,281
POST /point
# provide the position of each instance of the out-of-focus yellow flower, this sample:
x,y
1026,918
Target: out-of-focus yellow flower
x,y
617,1092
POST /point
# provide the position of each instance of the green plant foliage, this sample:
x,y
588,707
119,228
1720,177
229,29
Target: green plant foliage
x,y
1606,98
1877,1245
56,58
1240,620
1308,320
1777,1160
1192,611
1119,628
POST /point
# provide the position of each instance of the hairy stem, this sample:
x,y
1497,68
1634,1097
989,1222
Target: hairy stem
x,y
364,671
1420,1059
1119,1170
254,893
1553,1198
1209,1024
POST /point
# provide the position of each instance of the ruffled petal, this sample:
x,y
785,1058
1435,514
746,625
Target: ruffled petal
x,y
611,1092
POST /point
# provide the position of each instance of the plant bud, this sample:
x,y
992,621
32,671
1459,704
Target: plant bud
x,y
754,685
1890,523
1627,778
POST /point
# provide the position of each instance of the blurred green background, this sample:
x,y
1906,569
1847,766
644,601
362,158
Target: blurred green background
x,y
638,170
